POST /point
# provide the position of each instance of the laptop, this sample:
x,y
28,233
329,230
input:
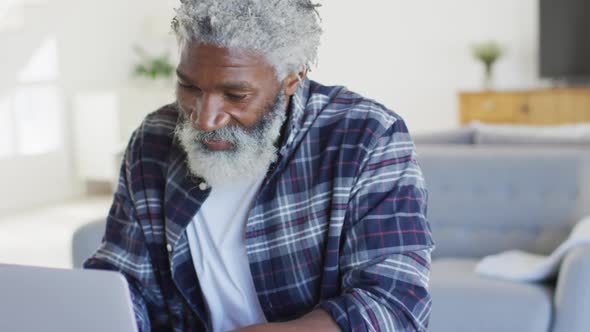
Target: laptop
x,y
47,299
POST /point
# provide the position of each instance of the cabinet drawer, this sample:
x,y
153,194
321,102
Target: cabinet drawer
x,y
560,107
493,108
582,108
534,107
544,108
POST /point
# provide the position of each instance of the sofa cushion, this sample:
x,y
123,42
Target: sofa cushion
x,y
463,135
567,135
484,200
465,301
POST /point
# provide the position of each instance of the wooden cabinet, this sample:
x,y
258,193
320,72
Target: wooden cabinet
x,y
535,107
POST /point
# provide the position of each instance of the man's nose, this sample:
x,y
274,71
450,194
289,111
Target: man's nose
x,y
209,114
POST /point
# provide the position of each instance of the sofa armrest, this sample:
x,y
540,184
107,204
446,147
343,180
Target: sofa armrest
x,y
572,295
86,240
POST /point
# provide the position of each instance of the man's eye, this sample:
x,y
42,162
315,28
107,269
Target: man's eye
x,y
185,86
235,97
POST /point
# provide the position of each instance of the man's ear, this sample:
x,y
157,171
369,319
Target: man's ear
x,y
293,81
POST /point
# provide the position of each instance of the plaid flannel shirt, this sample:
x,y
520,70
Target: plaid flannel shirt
x,y
339,222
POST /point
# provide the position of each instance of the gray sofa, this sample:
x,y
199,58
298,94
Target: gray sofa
x,y
500,187
485,199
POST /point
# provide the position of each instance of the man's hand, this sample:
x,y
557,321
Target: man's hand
x,y
317,320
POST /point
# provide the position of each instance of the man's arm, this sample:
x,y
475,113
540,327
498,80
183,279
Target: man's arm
x,y
139,304
384,259
115,254
123,246
385,255
317,320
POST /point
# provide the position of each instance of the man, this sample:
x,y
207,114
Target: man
x,y
263,201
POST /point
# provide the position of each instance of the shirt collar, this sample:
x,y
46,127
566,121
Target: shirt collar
x,y
296,115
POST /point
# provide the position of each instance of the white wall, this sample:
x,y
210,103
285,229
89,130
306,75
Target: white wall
x,y
414,56
95,41
27,181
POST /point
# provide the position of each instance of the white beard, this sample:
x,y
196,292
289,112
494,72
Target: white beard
x,y
251,156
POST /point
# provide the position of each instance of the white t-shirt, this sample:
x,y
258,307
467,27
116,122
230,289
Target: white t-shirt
x,y
216,238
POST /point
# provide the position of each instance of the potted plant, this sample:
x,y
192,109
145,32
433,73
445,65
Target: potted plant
x,y
154,68
488,53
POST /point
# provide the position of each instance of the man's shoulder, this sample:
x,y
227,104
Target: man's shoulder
x,y
155,135
352,111
161,122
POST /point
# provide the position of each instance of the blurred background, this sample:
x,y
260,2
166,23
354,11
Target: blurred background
x,y
79,76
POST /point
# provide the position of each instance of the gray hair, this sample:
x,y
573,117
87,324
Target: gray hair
x,y
286,32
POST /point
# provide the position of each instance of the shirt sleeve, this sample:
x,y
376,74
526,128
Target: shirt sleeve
x,y
123,249
387,242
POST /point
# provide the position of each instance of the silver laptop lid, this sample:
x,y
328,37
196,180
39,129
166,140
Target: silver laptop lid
x,y
46,299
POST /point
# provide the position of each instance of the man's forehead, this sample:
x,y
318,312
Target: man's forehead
x,y
242,85
201,54
211,66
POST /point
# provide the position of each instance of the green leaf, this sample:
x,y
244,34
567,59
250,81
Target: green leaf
x,y
153,67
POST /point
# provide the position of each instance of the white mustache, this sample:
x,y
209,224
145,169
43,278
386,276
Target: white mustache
x,y
254,149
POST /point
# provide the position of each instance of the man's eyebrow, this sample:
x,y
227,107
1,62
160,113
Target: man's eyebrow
x,y
236,86
240,85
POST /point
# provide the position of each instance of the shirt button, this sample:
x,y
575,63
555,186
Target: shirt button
x,y
203,186
169,247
